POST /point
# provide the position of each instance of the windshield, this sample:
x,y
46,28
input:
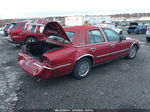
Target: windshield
x,y
61,39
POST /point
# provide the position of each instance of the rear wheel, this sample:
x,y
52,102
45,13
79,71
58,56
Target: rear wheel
x,y
132,52
30,39
148,39
82,68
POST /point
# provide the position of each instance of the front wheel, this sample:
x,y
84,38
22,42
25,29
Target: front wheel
x,y
82,68
132,52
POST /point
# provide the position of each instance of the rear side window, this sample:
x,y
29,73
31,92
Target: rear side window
x,y
95,36
41,29
23,26
31,28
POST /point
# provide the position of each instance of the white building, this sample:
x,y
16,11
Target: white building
x,y
86,19
74,20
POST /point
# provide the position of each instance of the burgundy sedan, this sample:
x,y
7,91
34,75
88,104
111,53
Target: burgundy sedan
x,y
74,50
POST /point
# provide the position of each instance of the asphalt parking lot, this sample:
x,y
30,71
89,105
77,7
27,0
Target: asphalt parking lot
x,y
118,84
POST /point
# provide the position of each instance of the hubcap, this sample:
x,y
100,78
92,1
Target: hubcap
x,y
31,40
83,68
133,52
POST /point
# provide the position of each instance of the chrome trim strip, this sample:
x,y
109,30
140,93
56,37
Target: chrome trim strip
x,y
112,53
79,45
57,66
86,55
133,44
38,65
90,44
98,43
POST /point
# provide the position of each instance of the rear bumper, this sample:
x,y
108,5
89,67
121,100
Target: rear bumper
x,y
13,40
32,66
36,68
131,31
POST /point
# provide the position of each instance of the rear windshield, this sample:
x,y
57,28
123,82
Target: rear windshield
x,y
13,26
61,39
7,26
70,35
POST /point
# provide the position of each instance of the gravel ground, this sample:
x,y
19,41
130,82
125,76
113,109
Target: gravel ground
x,y
118,84
9,75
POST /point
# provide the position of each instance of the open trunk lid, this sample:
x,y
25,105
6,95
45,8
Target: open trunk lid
x,y
55,29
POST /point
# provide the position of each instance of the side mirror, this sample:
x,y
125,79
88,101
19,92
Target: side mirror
x,y
122,37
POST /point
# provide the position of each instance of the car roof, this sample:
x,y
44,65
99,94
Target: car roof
x,y
80,27
18,22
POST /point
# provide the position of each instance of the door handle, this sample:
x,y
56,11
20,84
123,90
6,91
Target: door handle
x,y
93,49
113,45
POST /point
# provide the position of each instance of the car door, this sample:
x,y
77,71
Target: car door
x,y
118,47
98,46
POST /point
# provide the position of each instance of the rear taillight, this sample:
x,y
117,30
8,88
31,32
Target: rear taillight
x,y
148,29
15,32
46,61
19,57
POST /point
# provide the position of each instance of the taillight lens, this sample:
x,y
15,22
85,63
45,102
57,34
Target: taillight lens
x,y
148,29
15,32
46,61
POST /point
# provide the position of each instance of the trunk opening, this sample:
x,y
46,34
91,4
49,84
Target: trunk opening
x,y
132,28
37,49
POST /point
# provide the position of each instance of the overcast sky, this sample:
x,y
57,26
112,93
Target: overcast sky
x,y
43,8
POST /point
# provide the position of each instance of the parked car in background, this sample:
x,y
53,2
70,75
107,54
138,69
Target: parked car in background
x,y
15,29
74,50
118,30
2,30
30,32
148,34
6,27
137,29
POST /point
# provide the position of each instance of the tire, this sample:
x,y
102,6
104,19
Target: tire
x,y
129,33
30,39
82,68
120,32
132,52
148,39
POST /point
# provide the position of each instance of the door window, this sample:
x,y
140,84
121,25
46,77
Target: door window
x,y
111,35
95,36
